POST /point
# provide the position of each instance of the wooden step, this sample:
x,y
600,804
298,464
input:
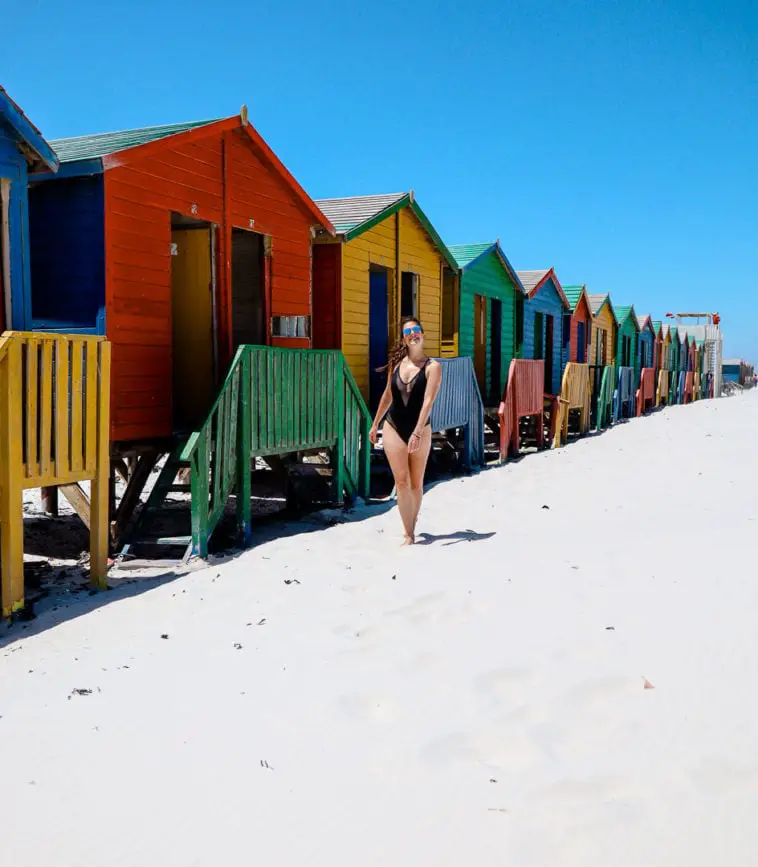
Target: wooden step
x,y
164,541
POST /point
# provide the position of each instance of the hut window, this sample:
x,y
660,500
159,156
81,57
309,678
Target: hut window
x,y
291,326
566,331
5,283
449,305
601,338
626,351
409,294
539,335
519,325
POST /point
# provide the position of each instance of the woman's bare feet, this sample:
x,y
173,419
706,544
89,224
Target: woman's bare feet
x,y
408,540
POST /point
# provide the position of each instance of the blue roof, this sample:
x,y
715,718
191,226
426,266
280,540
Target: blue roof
x,y
37,151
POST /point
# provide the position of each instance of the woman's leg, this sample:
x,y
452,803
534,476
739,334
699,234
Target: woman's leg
x,y
397,455
417,466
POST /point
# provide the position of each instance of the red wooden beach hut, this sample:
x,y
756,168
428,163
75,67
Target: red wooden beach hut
x,y
179,243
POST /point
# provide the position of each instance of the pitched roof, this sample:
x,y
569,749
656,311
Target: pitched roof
x,y
623,312
533,281
467,254
82,151
349,213
87,147
645,321
574,294
597,300
37,151
657,326
353,215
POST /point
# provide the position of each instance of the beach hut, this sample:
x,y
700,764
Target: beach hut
x,y
23,151
54,388
579,324
674,347
489,293
645,364
575,379
386,262
602,359
626,361
682,365
185,244
179,243
662,343
542,326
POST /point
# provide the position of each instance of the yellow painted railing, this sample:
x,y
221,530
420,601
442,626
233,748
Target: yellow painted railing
x,y
54,430
662,391
575,394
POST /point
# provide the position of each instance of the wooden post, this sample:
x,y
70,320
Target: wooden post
x,y
11,481
99,402
338,379
50,500
200,492
244,447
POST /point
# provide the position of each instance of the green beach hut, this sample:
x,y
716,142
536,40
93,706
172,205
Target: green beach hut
x,y
489,293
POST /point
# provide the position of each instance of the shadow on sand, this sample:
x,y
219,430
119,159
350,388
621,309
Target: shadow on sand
x,y
453,538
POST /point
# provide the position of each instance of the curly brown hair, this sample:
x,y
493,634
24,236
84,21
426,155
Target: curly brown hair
x,y
399,350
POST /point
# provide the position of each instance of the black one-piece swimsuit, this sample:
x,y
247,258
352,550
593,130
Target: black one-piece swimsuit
x,y
407,401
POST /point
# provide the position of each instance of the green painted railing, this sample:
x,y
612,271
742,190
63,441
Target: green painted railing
x,y
273,402
604,415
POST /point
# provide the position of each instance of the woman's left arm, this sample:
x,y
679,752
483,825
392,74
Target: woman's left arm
x,y
433,380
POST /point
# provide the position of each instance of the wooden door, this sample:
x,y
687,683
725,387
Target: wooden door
x,y
480,341
378,335
192,326
581,341
496,344
549,350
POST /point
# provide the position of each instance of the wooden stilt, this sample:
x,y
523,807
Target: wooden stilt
x,y
142,467
50,500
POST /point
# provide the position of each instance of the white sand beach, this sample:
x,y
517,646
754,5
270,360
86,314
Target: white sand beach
x,y
566,686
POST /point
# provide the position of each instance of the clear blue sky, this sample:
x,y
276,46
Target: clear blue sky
x,y
616,140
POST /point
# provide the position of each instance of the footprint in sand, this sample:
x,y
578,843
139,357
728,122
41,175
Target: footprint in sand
x,y
369,708
509,750
506,686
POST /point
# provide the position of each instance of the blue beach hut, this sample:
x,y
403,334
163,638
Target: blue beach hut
x,y
542,328
22,152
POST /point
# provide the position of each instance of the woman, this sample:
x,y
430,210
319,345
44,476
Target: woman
x,y
413,381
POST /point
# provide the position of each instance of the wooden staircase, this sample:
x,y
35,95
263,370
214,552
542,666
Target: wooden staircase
x,y
147,536
274,404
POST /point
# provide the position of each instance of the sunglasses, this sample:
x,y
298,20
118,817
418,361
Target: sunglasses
x,y
411,329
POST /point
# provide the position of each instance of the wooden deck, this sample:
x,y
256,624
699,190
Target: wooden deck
x,y
54,431
646,393
575,394
524,397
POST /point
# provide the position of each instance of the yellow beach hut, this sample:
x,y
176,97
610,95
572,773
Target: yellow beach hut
x,y
386,262
602,358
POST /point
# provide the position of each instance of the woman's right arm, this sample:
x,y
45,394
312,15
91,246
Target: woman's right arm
x,y
384,405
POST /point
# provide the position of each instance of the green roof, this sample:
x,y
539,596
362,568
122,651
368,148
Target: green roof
x,y
573,293
657,326
88,147
464,254
622,313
